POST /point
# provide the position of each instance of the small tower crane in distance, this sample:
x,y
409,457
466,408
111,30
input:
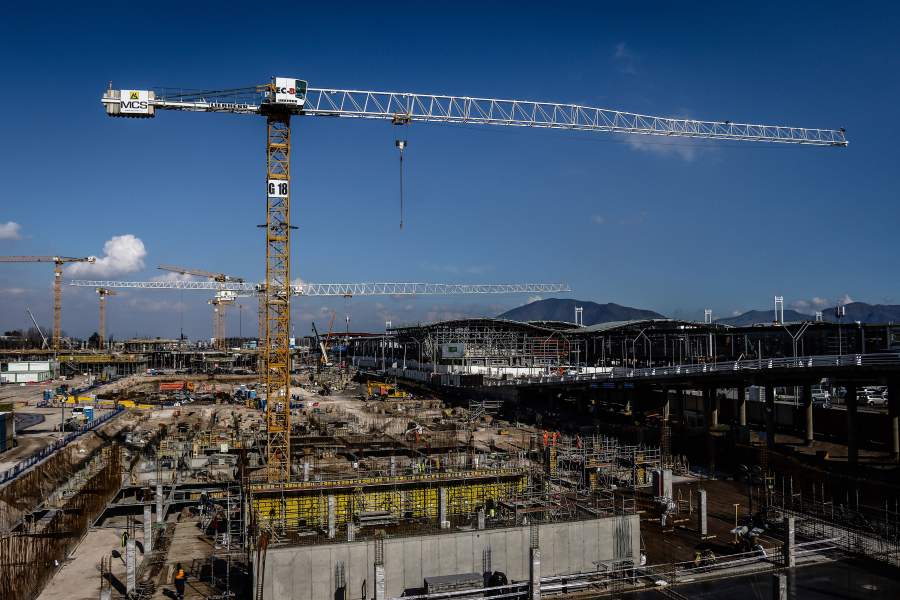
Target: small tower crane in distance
x,y
222,299
283,98
58,262
102,293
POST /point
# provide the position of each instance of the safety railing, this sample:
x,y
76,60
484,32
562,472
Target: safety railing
x,y
721,368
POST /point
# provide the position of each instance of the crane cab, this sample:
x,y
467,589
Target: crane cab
x,y
288,92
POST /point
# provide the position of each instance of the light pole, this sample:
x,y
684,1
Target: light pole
x,y
839,312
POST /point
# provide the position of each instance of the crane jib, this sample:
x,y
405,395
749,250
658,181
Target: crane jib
x,y
294,97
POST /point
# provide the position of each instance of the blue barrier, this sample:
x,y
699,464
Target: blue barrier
x,y
29,462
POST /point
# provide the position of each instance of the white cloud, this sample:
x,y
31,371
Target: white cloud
x,y
598,219
172,276
458,269
10,231
121,254
624,59
682,148
155,305
736,313
817,303
533,299
13,291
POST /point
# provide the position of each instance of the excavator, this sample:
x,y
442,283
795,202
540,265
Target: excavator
x,y
384,391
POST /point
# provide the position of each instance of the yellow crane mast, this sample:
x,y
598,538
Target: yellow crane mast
x,y
58,262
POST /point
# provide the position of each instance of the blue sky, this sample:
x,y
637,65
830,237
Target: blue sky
x,y
674,227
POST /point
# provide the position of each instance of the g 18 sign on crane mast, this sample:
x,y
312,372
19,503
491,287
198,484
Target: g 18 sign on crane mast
x,y
283,98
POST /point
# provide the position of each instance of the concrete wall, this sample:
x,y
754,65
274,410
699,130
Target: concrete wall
x,y
308,572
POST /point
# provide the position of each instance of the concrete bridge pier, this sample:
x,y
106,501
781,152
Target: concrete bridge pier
x,y
711,411
808,410
665,406
713,407
742,405
894,415
770,415
852,424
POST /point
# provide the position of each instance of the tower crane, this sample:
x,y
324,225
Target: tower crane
x,y
282,98
222,299
102,293
58,262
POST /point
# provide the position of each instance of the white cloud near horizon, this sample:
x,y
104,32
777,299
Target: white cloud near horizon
x,y
624,59
121,254
10,231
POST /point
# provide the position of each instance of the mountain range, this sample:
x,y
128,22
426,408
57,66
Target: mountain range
x,y
561,309
854,311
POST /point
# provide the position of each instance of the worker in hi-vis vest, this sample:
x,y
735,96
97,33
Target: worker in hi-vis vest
x,y
179,581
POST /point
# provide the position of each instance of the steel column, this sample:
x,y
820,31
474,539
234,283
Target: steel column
x,y
57,304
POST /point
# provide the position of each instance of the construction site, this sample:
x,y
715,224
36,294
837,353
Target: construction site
x,y
447,459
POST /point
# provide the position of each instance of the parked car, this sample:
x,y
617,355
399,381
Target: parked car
x,y
872,396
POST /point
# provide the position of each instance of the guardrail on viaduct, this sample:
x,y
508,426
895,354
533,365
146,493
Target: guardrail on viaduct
x,y
843,361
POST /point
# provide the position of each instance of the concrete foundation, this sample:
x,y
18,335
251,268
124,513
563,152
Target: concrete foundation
x,y
702,529
159,503
148,529
307,572
130,566
789,547
535,576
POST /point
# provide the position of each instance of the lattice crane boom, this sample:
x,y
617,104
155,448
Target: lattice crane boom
x,y
406,107
342,289
58,262
283,98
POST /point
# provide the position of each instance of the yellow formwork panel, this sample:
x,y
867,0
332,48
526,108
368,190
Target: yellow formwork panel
x,y
309,508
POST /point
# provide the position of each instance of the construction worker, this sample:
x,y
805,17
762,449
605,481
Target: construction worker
x,y
180,576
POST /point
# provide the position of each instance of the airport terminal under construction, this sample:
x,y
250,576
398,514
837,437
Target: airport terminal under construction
x,y
466,458
469,458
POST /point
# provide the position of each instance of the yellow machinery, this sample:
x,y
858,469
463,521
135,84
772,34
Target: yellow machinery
x,y
379,389
305,504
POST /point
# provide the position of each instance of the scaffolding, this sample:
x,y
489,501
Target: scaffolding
x,y
224,519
